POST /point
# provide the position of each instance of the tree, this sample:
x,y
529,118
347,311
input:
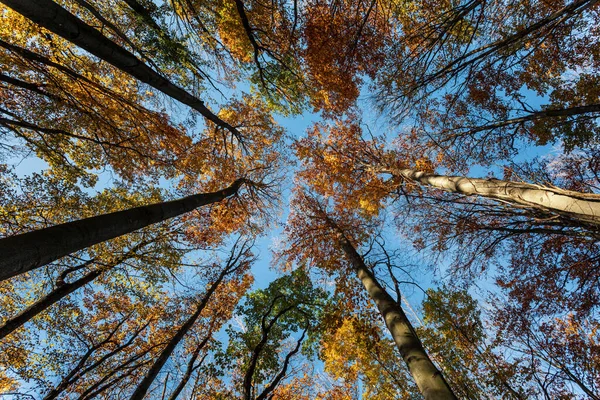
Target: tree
x,y
34,249
341,146
476,220
315,226
238,261
58,20
125,293
261,353
462,71
454,329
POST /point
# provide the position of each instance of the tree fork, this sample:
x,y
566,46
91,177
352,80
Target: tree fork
x,y
28,251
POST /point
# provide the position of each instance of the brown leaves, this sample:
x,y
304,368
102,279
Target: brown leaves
x,y
343,42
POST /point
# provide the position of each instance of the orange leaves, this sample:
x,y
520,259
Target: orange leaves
x,y
342,42
218,159
337,165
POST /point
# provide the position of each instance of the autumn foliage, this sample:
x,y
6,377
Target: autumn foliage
x,y
434,229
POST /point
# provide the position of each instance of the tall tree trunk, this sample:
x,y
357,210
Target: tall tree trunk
x,y
582,207
56,19
25,252
429,379
62,290
151,375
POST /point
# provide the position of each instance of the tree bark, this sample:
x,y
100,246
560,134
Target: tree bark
x,y
583,207
142,388
56,19
27,251
534,116
429,379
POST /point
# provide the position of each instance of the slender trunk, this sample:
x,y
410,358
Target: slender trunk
x,y
45,302
151,375
248,388
141,10
429,379
582,207
286,363
480,53
78,371
542,114
25,252
61,291
190,368
56,19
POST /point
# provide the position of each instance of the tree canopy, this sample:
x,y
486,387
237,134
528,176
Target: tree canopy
x,y
170,229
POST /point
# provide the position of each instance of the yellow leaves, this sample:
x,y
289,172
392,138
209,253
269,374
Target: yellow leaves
x,y
424,164
7,384
369,207
340,354
232,32
354,351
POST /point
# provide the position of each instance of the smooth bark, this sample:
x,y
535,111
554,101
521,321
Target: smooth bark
x,y
429,379
583,207
56,19
25,252
248,387
191,367
534,116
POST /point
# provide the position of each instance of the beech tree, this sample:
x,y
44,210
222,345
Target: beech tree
x,y
49,244
167,132
238,262
58,20
426,375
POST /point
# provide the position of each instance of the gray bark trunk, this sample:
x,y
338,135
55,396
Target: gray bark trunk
x,y
142,388
45,302
190,368
429,379
579,206
25,252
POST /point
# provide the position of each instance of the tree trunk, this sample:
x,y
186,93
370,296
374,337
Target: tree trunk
x,y
190,368
45,302
582,207
151,375
27,251
541,114
429,379
56,19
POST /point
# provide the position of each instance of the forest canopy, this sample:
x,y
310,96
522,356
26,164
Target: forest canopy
x,y
297,200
